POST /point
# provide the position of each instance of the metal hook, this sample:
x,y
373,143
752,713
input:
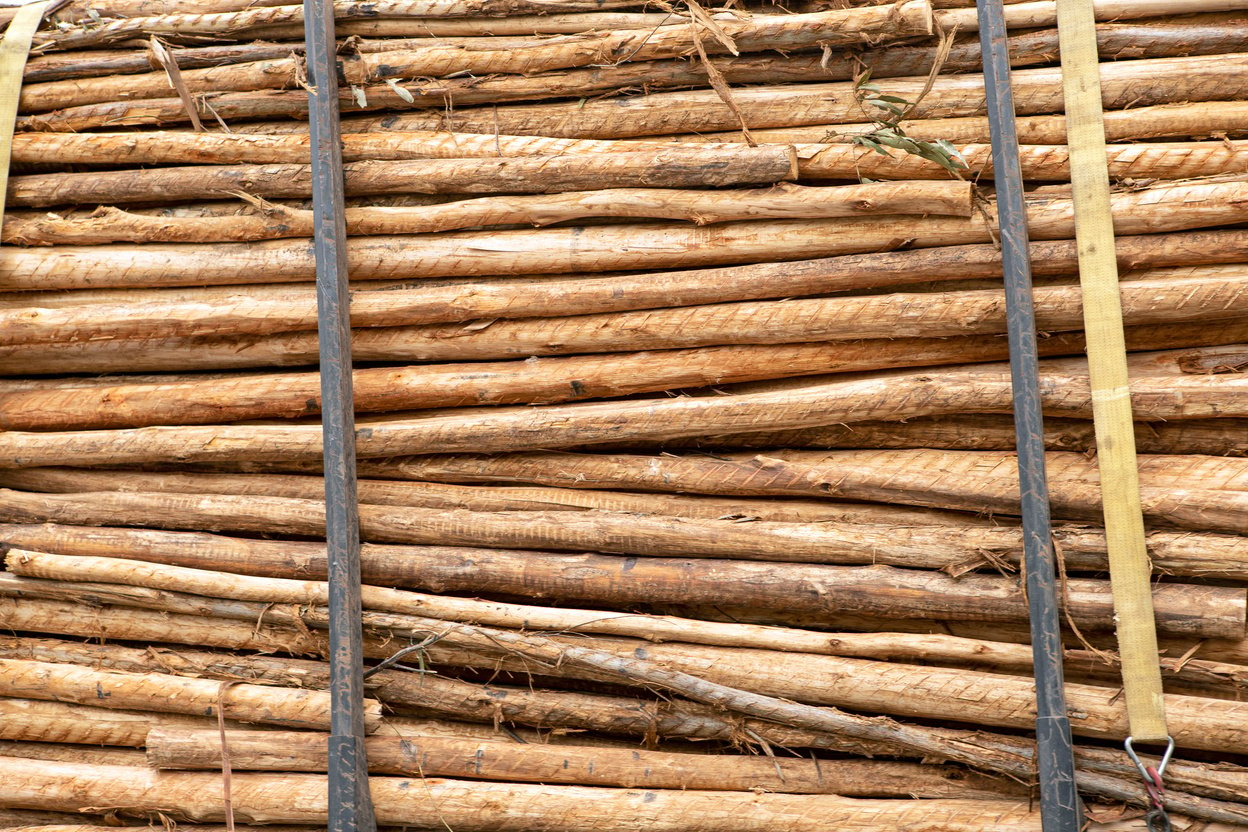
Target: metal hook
x,y
1157,820
1161,766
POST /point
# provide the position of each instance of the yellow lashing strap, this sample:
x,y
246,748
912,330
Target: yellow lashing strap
x,y
13,51
1130,570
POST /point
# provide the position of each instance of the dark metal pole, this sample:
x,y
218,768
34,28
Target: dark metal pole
x,y
1059,800
350,806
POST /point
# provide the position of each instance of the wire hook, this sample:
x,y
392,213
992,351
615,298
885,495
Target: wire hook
x,y
1156,819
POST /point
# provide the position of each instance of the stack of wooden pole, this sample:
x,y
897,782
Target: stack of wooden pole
x,y
688,494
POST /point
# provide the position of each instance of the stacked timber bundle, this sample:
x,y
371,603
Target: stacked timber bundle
x,y
688,493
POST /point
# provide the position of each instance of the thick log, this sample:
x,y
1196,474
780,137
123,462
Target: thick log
x,y
1219,437
300,798
565,715
536,381
78,754
1169,500
516,616
874,590
438,57
950,546
715,675
441,495
41,69
509,761
1206,34
549,296
172,694
592,711
1165,296
1199,120
604,248
1147,82
33,720
236,18
675,168
1037,91
1144,161
817,158
783,201
1196,676
299,349
602,579
757,32
891,396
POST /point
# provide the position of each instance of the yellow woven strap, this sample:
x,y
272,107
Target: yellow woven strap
x,y
13,51
1129,567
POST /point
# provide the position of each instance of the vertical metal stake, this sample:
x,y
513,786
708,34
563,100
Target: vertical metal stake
x,y
1059,800
350,806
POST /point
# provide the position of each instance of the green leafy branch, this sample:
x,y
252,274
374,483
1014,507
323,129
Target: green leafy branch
x,y
888,111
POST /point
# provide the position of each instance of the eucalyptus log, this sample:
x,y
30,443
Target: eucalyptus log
x,y
186,625
1219,437
495,498
1216,293
820,152
783,201
78,754
888,396
300,349
237,17
515,616
492,760
842,26
951,546
29,720
675,168
1206,34
211,400
1149,82
648,719
715,675
464,805
60,66
1195,120
586,294
874,590
555,68
439,57
1173,207
173,694
1037,91
1192,675
1191,503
